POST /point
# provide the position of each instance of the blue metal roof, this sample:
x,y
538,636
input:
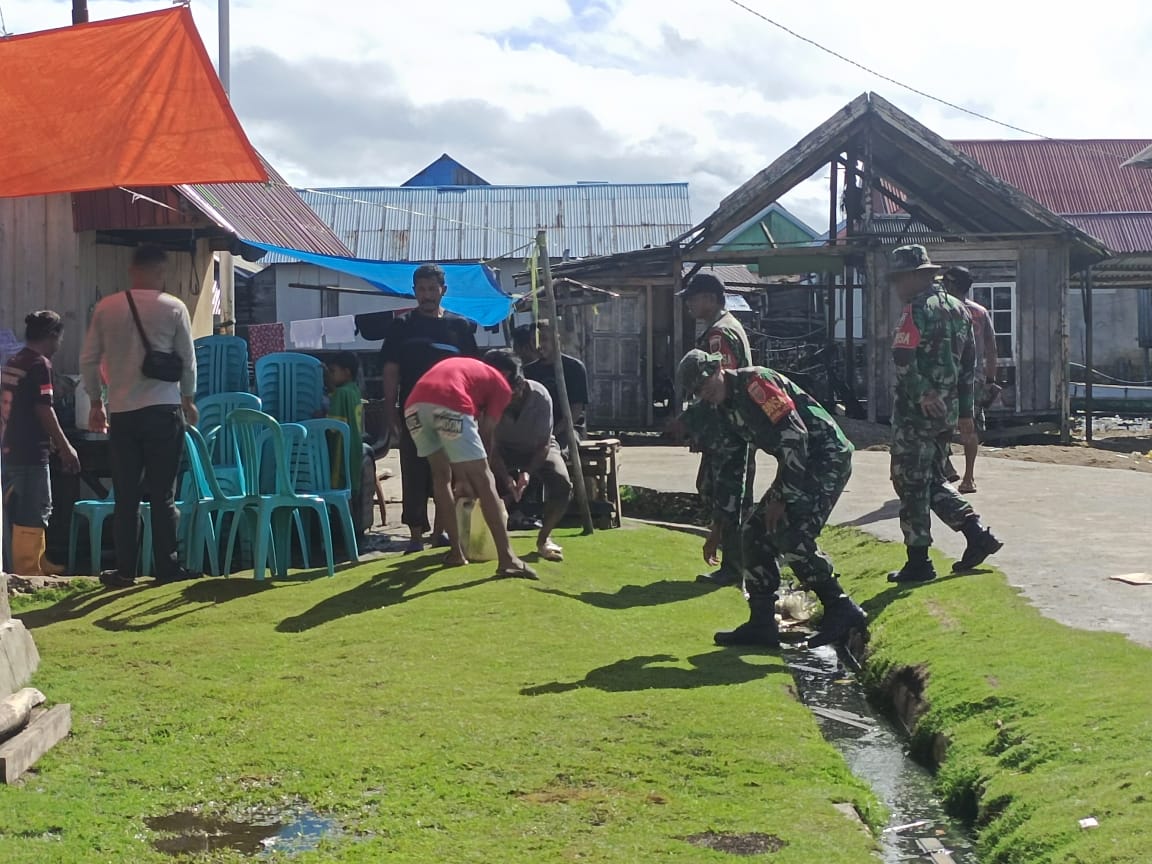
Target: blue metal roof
x,y
480,223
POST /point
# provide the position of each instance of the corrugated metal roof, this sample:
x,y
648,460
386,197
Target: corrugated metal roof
x,y
1143,159
477,223
1120,232
1070,176
271,213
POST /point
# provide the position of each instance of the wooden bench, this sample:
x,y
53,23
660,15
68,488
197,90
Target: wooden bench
x,y
600,462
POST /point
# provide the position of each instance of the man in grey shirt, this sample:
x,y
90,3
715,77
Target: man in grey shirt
x,y
524,447
144,416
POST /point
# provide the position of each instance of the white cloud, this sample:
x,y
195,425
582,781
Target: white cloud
x,y
702,91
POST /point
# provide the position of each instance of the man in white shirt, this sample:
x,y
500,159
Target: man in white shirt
x,y
144,416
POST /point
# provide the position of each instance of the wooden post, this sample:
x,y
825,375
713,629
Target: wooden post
x,y
561,384
649,372
830,294
1086,287
79,12
677,327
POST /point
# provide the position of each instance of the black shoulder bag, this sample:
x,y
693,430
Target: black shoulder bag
x,y
159,365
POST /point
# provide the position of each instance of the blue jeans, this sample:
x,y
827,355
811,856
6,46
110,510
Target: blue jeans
x,y
27,500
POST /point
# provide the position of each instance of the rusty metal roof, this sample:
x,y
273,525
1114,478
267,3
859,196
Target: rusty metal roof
x,y
271,213
1070,177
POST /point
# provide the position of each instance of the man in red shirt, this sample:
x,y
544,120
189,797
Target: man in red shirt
x,y
451,415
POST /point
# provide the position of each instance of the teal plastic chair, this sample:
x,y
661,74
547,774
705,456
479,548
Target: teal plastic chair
x,y
258,437
290,385
197,532
214,410
221,365
215,504
318,480
96,511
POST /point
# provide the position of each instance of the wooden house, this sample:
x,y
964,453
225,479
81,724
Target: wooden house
x,y
1021,253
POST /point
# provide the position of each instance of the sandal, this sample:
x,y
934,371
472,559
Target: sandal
x,y
452,561
521,571
967,488
414,546
549,551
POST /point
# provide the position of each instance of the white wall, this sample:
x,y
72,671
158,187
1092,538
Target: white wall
x,y
296,304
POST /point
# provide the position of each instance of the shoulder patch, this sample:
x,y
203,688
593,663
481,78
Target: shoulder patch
x,y
772,400
907,333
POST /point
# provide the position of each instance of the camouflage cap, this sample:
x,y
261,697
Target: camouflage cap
x,y
695,367
906,259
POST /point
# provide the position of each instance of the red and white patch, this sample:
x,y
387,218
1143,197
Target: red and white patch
x,y
772,400
907,333
45,389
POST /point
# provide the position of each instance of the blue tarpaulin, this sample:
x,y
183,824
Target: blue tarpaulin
x,y
472,288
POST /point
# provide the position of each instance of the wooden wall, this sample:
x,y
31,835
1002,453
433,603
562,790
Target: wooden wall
x,y
1038,267
45,264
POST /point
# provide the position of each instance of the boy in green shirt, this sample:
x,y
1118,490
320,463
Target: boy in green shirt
x,y
345,403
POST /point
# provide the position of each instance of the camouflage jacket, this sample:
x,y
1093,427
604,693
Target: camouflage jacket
x,y
774,415
934,350
725,336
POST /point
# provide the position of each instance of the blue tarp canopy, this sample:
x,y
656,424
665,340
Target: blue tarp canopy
x,y
472,288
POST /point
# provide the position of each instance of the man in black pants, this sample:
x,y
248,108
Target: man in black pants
x,y
144,416
413,344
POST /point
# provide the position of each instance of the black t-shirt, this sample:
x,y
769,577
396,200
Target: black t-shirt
x,y
416,343
575,380
26,383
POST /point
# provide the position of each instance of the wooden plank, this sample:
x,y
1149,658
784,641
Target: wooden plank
x,y
20,753
1027,288
649,360
1061,371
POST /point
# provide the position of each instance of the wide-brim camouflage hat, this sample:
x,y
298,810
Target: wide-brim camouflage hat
x,y
907,259
696,367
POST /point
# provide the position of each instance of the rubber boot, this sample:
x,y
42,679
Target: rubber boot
x,y
27,550
981,544
841,616
759,630
917,569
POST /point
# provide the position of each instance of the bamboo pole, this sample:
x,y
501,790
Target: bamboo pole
x,y
561,384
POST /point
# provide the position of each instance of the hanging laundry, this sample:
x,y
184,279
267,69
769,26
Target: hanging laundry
x,y
339,330
308,334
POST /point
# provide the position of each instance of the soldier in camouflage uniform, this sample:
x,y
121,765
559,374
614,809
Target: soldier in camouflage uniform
x,y
722,453
935,355
772,414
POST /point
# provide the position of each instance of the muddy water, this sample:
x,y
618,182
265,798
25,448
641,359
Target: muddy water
x,y
876,752
287,833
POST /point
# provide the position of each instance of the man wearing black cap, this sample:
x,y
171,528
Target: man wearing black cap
x,y
958,283
721,452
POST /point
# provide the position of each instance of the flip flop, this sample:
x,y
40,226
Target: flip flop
x,y
449,561
414,546
550,551
521,572
967,488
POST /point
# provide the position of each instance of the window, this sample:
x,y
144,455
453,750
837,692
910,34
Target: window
x,y
1000,300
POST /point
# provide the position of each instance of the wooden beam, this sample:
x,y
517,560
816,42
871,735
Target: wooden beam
x,y
649,372
752,256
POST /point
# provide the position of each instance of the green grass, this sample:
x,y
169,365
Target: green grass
x,y
1046,724
438,714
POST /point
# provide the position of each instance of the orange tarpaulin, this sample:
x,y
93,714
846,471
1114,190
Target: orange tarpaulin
x,y
126,102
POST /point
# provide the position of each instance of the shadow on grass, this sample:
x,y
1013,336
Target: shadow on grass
x,y
632,596
895,590
715,669
152,611
887,510
75,606
386,588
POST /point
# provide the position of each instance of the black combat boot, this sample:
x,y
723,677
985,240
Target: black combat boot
x,y
841,616
759,630
981,544
917,569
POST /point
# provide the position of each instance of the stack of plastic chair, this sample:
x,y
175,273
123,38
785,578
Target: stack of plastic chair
x,y
221,365
290,385
319,481
214,410
258,437
215,504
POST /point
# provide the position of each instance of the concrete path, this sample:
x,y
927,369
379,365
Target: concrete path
x,y
1066,528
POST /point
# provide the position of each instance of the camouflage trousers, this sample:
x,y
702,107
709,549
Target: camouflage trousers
x,y
918,476
793,543
724,458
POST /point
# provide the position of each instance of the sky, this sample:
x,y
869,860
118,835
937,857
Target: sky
x,y
367,92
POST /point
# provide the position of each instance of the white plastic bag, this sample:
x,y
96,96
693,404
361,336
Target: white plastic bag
x,y
474,534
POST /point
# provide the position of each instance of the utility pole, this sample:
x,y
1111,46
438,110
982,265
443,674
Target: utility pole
x,y
79,12
226,266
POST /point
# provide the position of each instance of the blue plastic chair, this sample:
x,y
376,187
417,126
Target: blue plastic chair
x,y
221,365
214,410
319,480
215,504
258,437
290,385
197,530
96,511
